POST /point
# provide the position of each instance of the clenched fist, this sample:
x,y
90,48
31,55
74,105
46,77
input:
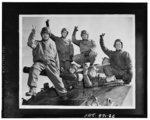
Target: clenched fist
x,y
102,35
76,28
33,28
47,23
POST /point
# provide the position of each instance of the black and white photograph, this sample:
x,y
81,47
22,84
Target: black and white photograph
x,y
89,61
74,60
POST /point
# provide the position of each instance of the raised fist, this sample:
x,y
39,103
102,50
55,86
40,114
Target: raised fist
x,y
47,23
102,35
33,28
76,28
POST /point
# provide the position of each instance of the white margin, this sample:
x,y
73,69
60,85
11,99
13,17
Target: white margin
x,y
20,60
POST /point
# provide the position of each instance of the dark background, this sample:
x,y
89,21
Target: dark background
x,y
10,56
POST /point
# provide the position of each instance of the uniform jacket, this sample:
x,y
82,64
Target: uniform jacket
x,y
43,51
64,47
85,45
120,60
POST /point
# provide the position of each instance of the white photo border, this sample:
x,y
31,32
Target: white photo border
x,y
68,107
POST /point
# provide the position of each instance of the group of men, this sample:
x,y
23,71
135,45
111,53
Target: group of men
x,y
56,54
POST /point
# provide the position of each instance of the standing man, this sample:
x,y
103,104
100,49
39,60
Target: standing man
x,y
87,48
64,48
45,57
120,61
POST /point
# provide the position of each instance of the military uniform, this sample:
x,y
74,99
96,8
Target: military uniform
x,y
92,76
65,51
120,63
85,46
45,57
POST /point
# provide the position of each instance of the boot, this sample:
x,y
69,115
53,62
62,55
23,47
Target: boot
x,y
32,92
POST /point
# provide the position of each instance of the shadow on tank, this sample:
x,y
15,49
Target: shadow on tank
x,y
108,94
49,96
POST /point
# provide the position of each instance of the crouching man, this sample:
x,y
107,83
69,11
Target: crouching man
x,y
45,57
87,48
120,62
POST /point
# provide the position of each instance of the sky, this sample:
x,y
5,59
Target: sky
x,y
114,26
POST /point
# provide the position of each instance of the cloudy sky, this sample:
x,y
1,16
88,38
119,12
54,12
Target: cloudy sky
x,y
114,27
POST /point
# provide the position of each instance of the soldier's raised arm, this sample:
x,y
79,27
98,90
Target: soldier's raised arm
x,y
31,39
74,40
71,50
51,35
105,50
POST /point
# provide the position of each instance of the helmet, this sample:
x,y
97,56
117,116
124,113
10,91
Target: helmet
x,y
64,29
118,40
45,30
84,32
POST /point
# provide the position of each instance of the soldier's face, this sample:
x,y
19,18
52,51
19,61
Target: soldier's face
x,y
64,34
84,36
118,46
45,36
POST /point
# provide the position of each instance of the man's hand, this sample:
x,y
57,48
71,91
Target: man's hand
x,y
47,23
33,29
75,28
102,35
62,69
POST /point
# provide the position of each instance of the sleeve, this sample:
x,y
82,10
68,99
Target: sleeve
x,y
71,50
74,40
128,61
53,37
105,50
31,41
93,45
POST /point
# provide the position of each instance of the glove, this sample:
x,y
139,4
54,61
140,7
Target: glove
x,y
75,28
102,35
47,23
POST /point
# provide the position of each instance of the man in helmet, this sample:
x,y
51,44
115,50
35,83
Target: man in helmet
x,y
120,61
45,57
87,48
64,48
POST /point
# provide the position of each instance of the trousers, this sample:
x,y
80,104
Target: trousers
x,y
52,73
65,65
125,75
81,58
